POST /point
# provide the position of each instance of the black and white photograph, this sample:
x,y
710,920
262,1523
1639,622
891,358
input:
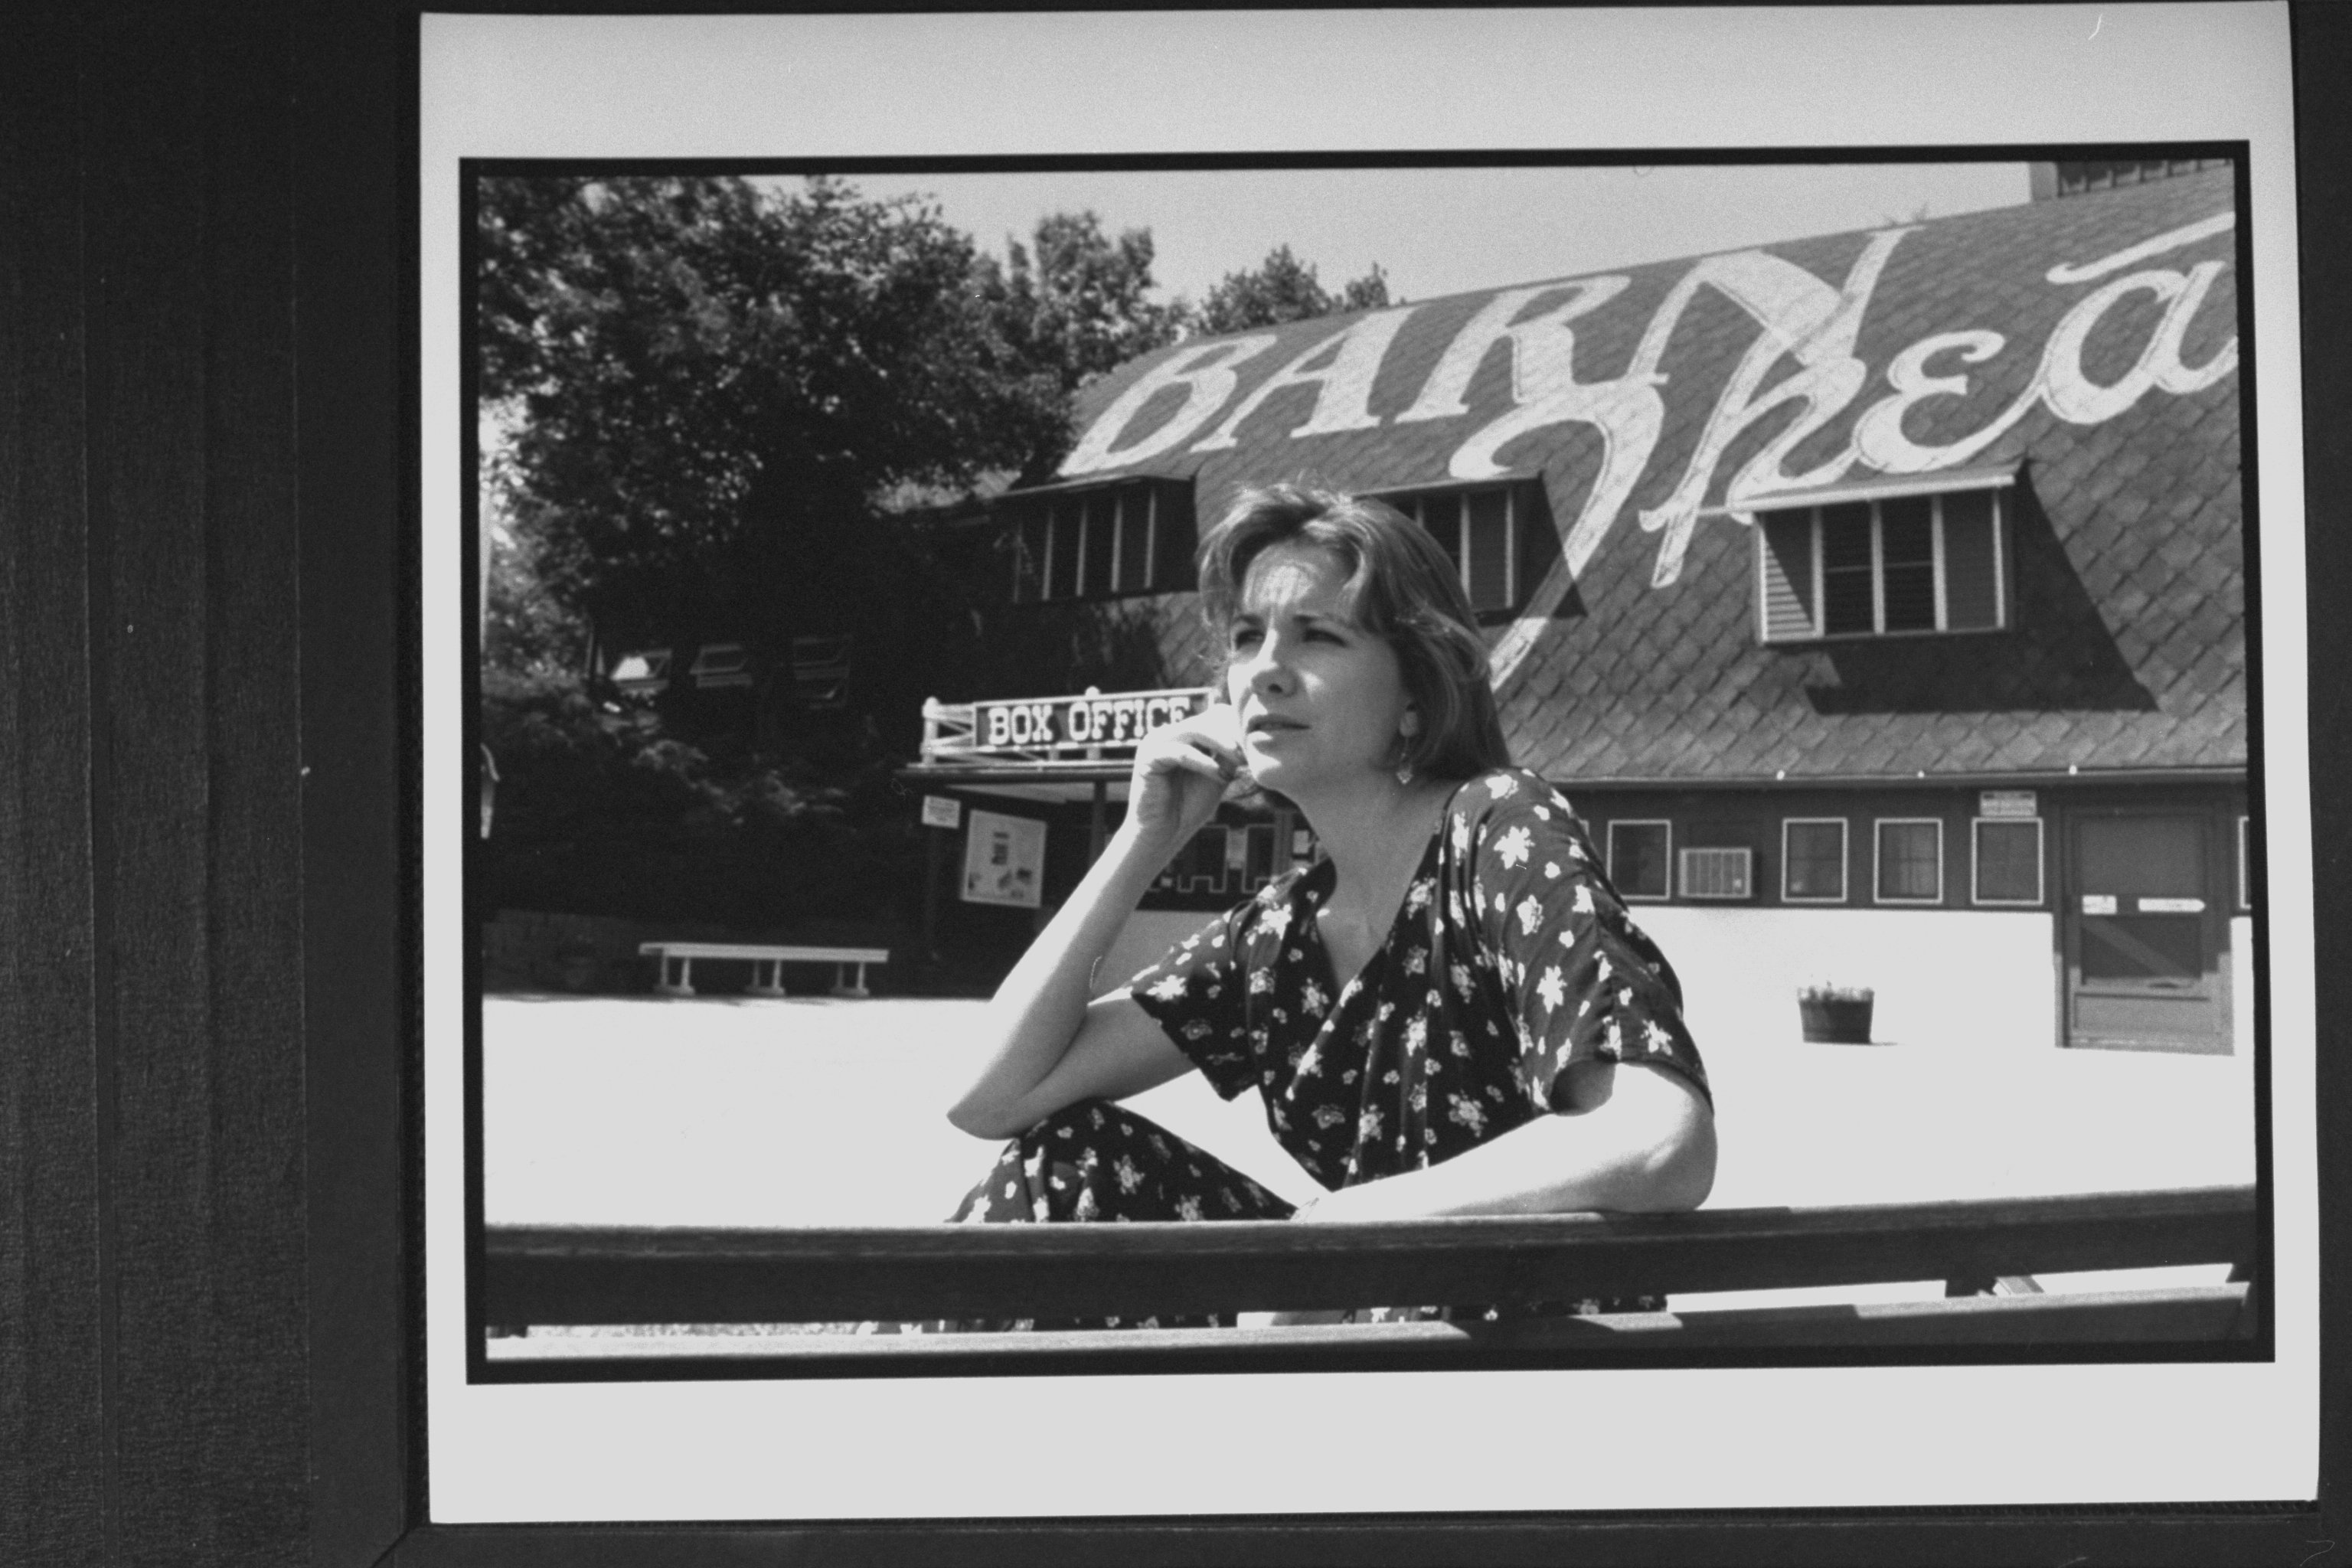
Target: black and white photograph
x,y
1884,702
1488,784
1368,776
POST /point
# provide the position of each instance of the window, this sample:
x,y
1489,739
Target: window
x,y
1103,542
821,671
1480,531
2074,179
1910,860
2007,858
1812,860
1640,854
721,664
644,673
1885,565
1257,856
1716,873
1201,865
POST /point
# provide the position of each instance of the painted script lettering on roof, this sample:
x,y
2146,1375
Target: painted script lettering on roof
x,y
1694,390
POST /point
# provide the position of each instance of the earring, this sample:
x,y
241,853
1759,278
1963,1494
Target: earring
x,y
1404,773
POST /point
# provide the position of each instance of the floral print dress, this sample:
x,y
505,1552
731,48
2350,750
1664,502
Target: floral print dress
x,y
1511,959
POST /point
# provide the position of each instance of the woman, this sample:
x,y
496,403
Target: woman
x,y
1450,1015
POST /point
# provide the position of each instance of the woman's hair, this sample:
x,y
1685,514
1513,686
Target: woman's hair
x,y
1400,587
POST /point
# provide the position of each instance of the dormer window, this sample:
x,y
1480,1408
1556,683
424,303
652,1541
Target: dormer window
x,y
642,673
718,664
1483,530
1892,559
821,671
1100,541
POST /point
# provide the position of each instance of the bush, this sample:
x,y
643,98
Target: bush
x,y
601,811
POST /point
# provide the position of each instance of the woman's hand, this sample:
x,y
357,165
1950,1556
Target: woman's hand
x,y
1182,772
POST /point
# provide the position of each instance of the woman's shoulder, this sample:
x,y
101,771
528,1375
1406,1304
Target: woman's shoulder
x,y
1507,795
1270,910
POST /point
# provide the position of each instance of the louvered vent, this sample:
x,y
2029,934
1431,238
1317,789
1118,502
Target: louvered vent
x,y
1788,582
1717,873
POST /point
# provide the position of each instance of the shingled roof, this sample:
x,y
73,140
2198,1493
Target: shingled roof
x,y
2127,648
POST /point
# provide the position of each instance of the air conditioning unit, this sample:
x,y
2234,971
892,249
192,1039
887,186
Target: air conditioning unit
x,y
1718,873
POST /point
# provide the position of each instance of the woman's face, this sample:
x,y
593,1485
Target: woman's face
x,y
1320,700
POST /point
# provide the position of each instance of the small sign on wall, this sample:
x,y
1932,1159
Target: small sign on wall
x,y
1004,861
942,811
2098,904
2006,803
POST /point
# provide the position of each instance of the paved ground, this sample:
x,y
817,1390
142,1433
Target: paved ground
x,y
814,1111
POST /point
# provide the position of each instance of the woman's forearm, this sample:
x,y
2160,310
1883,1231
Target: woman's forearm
x,y
1650,1148
1037,1012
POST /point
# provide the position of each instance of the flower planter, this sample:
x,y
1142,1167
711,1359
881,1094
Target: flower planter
x,y
1836,1020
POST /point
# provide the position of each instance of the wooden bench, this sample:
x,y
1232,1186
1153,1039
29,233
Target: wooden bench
x,y
767,961
571,1275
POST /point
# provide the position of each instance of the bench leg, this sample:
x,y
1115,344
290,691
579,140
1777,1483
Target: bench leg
x,y
841,985
767,978
678,977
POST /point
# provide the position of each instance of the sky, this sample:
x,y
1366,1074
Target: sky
x,y
1448,231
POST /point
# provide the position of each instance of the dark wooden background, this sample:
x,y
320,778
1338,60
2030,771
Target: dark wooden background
x,y
205,1001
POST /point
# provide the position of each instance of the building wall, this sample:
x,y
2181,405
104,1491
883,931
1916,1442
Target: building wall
x,y
1943,978
1977,980
1967,980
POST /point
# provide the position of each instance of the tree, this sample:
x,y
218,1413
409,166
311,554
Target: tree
x,y
1282,289
704,389
711,381
1081,307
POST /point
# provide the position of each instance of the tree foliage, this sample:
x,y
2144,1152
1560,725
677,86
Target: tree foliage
x,y
1076,303
708,379
716,411
1282,289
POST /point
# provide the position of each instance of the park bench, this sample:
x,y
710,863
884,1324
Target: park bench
x,y
768,960
1986,1251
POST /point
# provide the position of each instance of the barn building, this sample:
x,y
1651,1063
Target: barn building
x,y
1879,599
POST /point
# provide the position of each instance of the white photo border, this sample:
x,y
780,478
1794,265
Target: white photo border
x,y
1031,83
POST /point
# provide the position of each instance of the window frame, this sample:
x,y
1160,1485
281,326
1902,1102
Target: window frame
x,y
1060,571
1683,881
2245,864
1845,858
2040,863
653,681
1413,503
1610,850
1878,824
820,666
2000,488
720,665
1255,834
1188,879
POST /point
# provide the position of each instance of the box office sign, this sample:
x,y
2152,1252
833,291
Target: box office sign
x,y
1004,861
1111,721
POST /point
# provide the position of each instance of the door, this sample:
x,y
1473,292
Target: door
x,y
2144,941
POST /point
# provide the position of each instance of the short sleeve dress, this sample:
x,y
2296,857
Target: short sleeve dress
x,y
1512,958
